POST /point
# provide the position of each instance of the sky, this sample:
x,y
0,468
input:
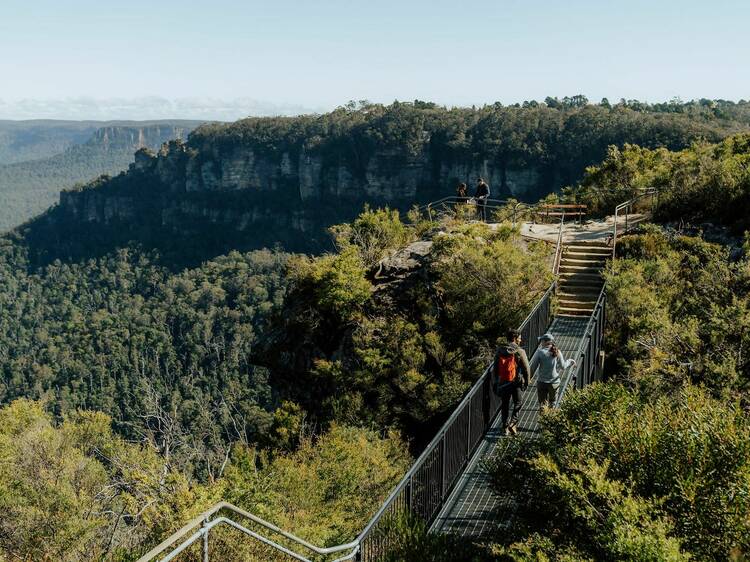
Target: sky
x,y
207,59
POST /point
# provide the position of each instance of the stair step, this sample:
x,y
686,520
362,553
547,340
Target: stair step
x,y
575,260
572,268
585,295
580,285
598,256
581,305
562,311
581,275
595,250
590,244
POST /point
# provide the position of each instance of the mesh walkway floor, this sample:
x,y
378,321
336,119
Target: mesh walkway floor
x,y
472,508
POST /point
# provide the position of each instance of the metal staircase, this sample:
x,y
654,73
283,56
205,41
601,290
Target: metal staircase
x,y
579,277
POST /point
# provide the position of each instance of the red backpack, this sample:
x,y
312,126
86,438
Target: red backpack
x,y
505,365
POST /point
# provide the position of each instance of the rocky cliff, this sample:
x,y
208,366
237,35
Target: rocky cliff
x,y
267,181
289,197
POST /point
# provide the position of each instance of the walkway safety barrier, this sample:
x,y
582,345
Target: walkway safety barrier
x,y
424,489
430,480
508,210
420,493
588,367
649,197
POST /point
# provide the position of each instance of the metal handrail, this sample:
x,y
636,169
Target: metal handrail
x,y
592,338
627,206
558,248
596,320
204,519
488,203
457,199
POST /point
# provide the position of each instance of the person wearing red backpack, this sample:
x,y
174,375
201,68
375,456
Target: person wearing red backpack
x,y
511,374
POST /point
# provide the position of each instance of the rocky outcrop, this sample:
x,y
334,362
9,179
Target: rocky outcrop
x,y
249,197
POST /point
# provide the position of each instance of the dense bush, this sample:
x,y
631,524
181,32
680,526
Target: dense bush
x,y
480,270
618,475
679,310
74,491
700,183
400,352
373,233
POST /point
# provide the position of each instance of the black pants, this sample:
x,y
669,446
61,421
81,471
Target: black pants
x,y
508,391
482,209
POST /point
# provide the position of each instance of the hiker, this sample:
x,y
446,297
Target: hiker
x,y
511,370
461,193
547,357
481,195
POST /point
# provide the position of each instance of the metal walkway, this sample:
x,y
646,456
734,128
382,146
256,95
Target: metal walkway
x,y
446,488
472,508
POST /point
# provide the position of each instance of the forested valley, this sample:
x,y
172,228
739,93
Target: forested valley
x,y
138,390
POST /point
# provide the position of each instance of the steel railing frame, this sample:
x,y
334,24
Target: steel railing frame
x,y
587,355
558,247
626,208
454,200
206,523
479,402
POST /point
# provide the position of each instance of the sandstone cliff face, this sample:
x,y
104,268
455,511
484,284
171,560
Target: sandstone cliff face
x,y
255,194
126,137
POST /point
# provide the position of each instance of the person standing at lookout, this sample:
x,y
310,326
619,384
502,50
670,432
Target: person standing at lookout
x,y
511,375
481,195
548,357
461,193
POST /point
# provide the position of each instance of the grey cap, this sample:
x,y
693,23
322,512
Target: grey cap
x,y
546,337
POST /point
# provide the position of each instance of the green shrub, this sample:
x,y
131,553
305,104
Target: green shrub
x,y
623,476
373,233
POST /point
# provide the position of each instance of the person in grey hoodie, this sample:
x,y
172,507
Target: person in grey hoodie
x,y
548,358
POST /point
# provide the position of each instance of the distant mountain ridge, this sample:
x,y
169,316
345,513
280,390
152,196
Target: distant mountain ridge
x,y
148,108
35,139
28,187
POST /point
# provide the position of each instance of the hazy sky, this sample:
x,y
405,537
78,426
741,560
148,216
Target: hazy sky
x,y
318,54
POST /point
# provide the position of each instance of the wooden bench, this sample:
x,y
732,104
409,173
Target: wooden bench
x,y
569,210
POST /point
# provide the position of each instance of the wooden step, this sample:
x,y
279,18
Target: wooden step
x,y
562,311
602,257
590,244
584,295
581,305
581,276
595,250
580,285
569,260
572,268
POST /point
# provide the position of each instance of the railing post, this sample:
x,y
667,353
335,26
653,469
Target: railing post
x,y
627,216
205,539
442,468
409,499
468,431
